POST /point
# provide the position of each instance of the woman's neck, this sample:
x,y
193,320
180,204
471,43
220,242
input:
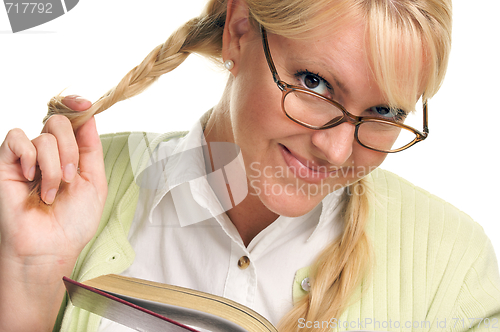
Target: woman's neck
x,y
250,216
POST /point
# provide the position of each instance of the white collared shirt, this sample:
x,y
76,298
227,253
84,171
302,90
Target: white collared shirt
x,y
182,236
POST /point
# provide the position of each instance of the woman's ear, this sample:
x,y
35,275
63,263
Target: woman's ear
x,y
237,26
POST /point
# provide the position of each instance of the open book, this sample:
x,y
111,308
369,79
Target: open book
x,y
149,306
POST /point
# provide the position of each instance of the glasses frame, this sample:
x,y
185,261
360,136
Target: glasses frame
x,y
348,117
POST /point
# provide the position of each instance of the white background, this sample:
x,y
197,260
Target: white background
x,y
88,50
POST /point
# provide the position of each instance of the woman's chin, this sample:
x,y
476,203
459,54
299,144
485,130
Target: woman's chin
x,y
290,205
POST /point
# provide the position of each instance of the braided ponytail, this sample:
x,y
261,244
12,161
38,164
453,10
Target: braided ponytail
x,y
202,35
339,269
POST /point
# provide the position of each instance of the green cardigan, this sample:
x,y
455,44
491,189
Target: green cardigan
x,y
435,269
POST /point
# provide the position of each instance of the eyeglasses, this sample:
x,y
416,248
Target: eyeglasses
x,y
315,111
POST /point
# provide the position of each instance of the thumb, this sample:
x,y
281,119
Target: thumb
x,y
76,103
91,156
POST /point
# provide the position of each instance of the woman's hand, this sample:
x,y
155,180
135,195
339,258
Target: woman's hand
x,y
64,227
39,244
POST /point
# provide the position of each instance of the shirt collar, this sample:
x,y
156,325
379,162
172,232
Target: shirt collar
x,y
331,208
199,193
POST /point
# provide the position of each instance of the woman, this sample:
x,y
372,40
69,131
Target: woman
x,y
345,54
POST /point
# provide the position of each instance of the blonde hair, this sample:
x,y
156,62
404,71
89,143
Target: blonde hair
x,y
408,45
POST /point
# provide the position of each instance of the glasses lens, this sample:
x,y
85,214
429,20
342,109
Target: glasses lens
x,y
310,109
317,112
384,136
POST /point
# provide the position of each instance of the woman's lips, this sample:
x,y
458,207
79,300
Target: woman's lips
x,y
300,168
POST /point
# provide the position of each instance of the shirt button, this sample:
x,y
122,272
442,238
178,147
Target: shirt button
x,y
243,262
305,285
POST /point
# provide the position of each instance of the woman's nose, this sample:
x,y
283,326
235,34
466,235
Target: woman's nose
x,y
336,143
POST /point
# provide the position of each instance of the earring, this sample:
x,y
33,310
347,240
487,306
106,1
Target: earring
x,y
229,64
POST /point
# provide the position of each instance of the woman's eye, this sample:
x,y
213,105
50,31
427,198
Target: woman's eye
x,y
313,82
387,113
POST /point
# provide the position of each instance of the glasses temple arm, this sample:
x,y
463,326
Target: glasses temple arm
x,y
426,127
267,52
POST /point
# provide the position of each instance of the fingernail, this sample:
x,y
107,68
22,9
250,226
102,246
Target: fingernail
x,y
76,98
31,173
50,196
69,172
80,100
